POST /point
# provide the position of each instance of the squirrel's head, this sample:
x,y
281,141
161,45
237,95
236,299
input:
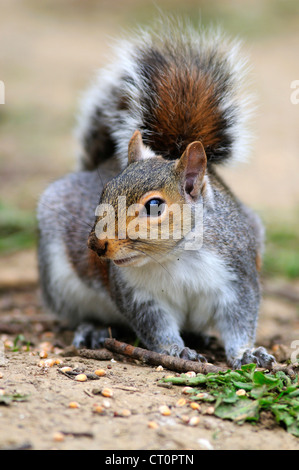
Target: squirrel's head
x,y
146,211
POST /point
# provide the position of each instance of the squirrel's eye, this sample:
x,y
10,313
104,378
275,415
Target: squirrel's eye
x,y
154,207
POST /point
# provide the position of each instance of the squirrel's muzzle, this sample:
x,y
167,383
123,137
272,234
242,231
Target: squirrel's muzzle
x,y
98,246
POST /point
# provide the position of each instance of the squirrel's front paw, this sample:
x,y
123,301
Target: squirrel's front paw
x,y
184,353
259,356
87,336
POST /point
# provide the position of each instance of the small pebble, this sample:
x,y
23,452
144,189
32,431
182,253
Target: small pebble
x,y
106,404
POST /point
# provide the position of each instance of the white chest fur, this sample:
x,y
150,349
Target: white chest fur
x,y
190,287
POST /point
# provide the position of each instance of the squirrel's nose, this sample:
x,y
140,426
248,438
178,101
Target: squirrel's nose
x,y
101,249
99,246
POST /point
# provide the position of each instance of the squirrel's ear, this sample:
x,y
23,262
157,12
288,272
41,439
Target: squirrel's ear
x,y
192,167
136,148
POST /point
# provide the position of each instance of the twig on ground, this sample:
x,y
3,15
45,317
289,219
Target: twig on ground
x,y
78,434
99,354
150,357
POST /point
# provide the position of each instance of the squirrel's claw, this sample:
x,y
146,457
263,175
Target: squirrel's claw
x,y
184,353
192,355
87,336
258,356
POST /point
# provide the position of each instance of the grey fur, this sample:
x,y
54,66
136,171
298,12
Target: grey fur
x,y
230,230
175,290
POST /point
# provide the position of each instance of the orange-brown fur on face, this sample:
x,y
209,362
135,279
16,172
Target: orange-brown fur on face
x,y
174,183
98,268
89,266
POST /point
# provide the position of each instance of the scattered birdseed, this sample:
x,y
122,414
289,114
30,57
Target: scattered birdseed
x,y
191,373
107,392
81,378
185,419
58,437
66,369
165,410
187,390
210,410
193,421
181,402
125,413
194,405
74,404
152,425
98,409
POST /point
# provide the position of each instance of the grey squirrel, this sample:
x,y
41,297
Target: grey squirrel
x,y
152,129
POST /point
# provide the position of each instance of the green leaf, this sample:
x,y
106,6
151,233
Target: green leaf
x,y
7,399
259,378
244,385
248,367
243,410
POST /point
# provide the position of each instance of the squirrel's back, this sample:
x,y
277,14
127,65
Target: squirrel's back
x,y
176,85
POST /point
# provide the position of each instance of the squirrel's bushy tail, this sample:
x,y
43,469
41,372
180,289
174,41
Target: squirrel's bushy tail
x,y
176,85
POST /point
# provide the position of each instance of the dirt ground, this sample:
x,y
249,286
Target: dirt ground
x,y
46,421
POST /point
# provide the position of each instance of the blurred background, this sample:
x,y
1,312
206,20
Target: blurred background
x,y
49,52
